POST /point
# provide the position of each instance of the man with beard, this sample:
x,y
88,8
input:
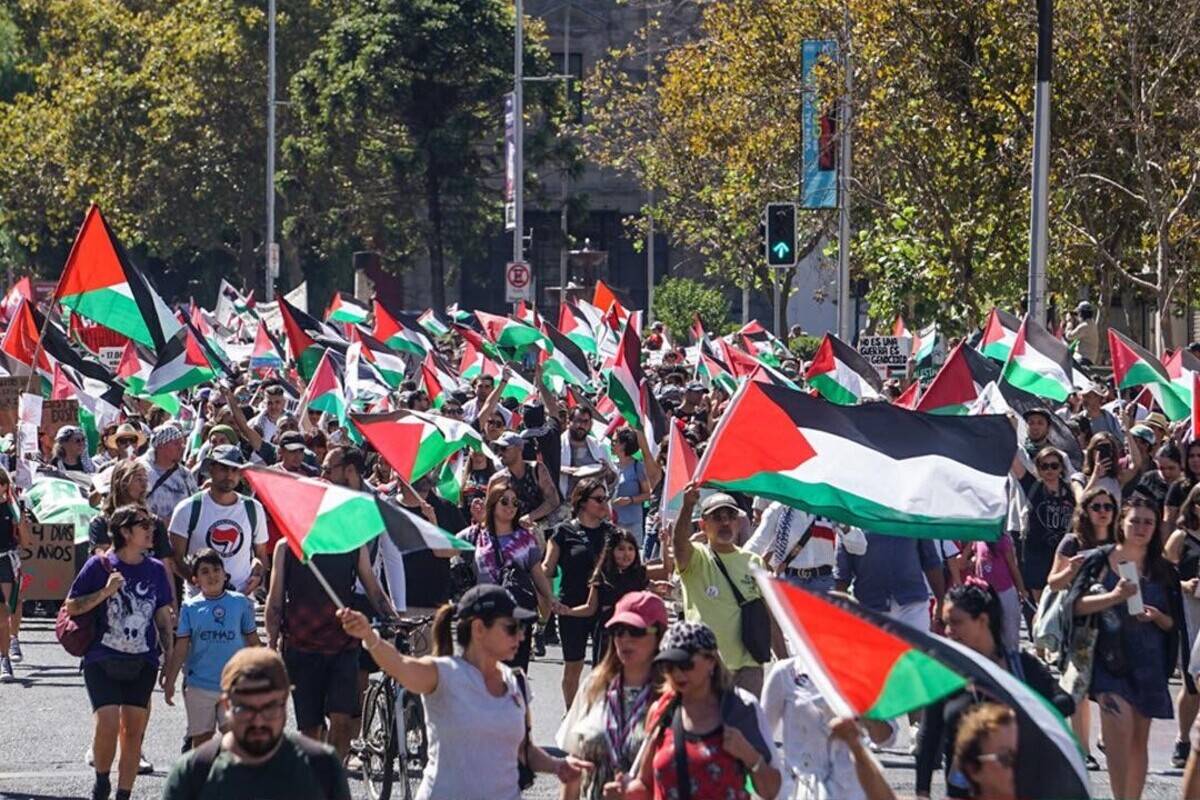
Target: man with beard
x,y
579,452
709,571
256,760
232,524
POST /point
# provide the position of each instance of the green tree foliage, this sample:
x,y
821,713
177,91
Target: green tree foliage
x,y
398,112
677,301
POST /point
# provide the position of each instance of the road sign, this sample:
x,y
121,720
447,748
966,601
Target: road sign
x,y
518,282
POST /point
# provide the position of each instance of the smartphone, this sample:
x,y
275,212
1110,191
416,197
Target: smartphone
x,y
1128,571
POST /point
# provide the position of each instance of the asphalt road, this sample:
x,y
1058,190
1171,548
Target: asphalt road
x,y
45,731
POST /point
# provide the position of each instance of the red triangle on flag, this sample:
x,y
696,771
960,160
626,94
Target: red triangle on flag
x,y
908,398
61,387
93,262
130,365
756,436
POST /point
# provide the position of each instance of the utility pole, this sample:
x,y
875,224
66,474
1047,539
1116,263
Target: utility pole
x,y
271,248
1039,209
846,316
649,193
519,134
562,255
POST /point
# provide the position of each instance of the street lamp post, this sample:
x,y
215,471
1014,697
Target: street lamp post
x,y
1039,208
270,248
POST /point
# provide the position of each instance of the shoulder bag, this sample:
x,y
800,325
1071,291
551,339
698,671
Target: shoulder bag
x,y
77,633
755,619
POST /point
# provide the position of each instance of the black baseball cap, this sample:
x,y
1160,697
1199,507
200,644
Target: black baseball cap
x,y
488,601
291,440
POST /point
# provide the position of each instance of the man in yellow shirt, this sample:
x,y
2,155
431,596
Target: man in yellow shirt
x,y
707,594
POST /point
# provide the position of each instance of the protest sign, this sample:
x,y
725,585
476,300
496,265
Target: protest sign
x,y
48,566
888,354
54,414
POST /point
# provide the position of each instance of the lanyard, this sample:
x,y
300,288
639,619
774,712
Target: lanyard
x,y
617,727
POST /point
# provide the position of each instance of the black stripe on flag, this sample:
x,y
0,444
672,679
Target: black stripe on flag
x,y
855,361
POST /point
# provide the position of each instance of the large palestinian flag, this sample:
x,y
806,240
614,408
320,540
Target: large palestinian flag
x,y
876,466
391,367
414,443
1133,366
318,517
841,374
101,283
999,335
625,378
1039,363
866,664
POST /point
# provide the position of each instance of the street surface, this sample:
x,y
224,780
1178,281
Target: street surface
x,y
45,731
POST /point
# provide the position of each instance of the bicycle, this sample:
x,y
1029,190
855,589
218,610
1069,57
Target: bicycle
x,y
389,747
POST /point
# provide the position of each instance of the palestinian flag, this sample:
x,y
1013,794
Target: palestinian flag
x,y
681,465
21,338
413,443
510,334
1039,364
1195,405
954,388
865,664
575,325
764,373
302,333
527,313
604,298
449,487
472,338
325,391
433,324
134,371
875,466
999,335
841,374
1181,366
740,364
21,290
321,518
390,366
265,355
187,362
59,501
394,333
458,315
762,344
475,363
625,379
909,397
924,344
363,382
710,372
346,308
99,282
566,363
1134,366
438,383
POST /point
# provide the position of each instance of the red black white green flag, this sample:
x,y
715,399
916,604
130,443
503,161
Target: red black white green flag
x,y
566,364
396,332
866,664
414,443
574,324
1039,364
681,465
511,335
320,518
1181,367
842,375
302,332
347,309
954,388
1134,366
876,466
999,335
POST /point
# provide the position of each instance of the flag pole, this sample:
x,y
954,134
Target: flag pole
x,y
337,601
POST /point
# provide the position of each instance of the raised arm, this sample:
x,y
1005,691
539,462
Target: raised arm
x,y
681,535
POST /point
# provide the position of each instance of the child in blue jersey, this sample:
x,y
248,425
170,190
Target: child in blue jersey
x,y
213,625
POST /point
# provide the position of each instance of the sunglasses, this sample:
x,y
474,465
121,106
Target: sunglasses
x,y
628,630
504,501
126,440
599,498
1102,507
681,666
1005,758
510,626
1050,465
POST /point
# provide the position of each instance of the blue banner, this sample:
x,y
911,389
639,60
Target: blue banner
x,y
820,144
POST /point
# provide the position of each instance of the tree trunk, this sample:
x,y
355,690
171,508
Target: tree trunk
x,y
1164,336
434,240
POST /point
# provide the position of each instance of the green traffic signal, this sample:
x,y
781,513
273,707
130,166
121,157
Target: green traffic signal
x,y
781,234
781,250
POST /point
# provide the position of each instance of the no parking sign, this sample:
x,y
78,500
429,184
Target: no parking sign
x,y
518,282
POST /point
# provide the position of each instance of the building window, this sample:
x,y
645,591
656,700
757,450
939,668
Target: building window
x,y
575,92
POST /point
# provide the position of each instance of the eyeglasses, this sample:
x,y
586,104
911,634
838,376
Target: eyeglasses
x,y
599,498
1102,507
504,501
1005,758
1050,465
269,711
510,626
628,630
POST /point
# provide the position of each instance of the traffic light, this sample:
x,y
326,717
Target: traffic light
x,y
781,234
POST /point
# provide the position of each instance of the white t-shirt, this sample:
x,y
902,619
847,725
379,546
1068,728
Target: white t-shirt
x,y
226,529
473,736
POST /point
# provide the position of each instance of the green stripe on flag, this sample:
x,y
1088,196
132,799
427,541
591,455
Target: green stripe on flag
x,y
114,309
833,391
914,681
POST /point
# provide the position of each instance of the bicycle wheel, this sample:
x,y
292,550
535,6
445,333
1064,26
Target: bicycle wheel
x,y
379,741
414,751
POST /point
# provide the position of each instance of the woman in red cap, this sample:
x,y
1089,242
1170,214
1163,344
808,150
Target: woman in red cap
x,y
606,721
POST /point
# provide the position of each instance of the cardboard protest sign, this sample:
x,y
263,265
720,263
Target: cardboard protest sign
x,y
54,413
48,567
888,354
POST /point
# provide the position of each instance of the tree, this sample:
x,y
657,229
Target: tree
x,y
678,301
398,112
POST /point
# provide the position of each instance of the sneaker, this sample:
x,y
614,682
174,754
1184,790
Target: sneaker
x,y
144,766
6,670
88,758
539,644
14,651
1179,755
101,788
1092,764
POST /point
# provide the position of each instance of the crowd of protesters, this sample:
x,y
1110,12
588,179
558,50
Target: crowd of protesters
x,y
571,548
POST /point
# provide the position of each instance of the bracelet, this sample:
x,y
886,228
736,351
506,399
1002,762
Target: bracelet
x,y
370,647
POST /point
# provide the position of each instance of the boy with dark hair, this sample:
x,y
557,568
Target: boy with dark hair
x,y
213,626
